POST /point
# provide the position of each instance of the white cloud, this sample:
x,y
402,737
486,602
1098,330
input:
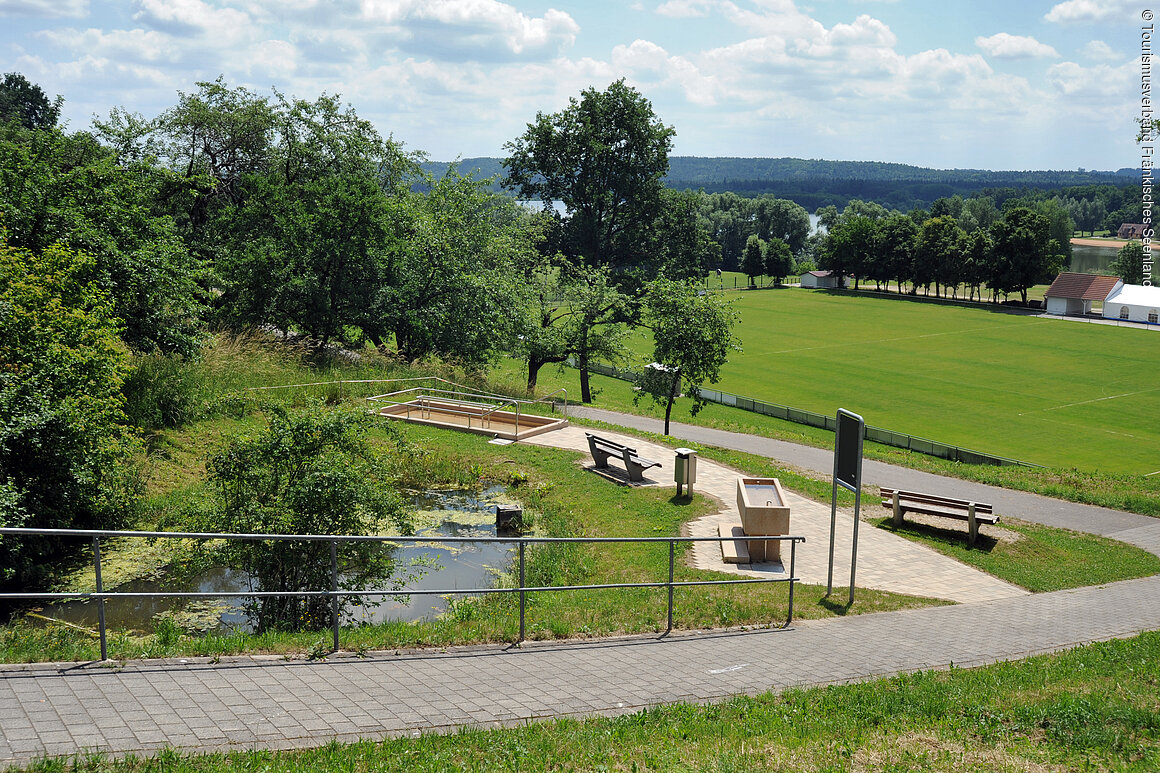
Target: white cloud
x,y
684,9
1098,50
1096,82
647,62
1092,10
1006,46
472,29
45,8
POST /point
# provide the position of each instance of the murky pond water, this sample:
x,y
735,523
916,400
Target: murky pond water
x,y
454,513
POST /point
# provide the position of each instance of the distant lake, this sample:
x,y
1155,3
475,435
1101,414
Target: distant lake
x,y
1091,260
559,207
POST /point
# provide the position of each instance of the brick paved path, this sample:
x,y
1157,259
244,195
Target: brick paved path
x,y
256,702
270,703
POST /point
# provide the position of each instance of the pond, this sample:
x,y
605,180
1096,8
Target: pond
x,y
1091,260
450,513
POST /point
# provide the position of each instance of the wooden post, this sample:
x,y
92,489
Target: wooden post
x,y
897,510
972,524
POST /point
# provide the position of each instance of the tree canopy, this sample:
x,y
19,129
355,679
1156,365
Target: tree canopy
x,y
604,157
692,337
65,451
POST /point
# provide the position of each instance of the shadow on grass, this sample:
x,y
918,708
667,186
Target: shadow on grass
x,y
831,604
952,537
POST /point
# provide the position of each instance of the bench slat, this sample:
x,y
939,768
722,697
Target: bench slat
x,y
942,507
603,449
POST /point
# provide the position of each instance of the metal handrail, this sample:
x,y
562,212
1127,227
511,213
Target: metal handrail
x,y
335,593
564,404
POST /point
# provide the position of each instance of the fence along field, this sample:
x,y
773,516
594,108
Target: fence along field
x,y
1045,391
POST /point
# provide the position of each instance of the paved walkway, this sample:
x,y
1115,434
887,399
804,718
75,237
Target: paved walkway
x,y
266,702
885,561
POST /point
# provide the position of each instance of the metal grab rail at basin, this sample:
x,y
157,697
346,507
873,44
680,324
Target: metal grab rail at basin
x,y
335,593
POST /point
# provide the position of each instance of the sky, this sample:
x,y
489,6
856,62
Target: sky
x,y
983,84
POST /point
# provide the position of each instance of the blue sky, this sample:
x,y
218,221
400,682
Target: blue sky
x,y
989,84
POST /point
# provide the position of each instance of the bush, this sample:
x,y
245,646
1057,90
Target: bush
x,y
308,472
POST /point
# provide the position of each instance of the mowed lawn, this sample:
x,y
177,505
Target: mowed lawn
x,y
1046,391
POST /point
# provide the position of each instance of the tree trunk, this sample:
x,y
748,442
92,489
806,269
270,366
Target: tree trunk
x,y
582,364
534,365
672,396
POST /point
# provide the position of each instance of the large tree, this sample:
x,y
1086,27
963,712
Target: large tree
x,y
308,472
753,260
65,450
778,259
1025,252
850,246
451,285
59,188
26,104
692,337
782,219
604,157
938,252
1129,263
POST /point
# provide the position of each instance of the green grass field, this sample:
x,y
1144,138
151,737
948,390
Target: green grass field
x,y
1046,391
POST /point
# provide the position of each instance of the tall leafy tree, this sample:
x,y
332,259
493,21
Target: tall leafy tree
x,y
451,286
307,472
59,188
1129,263
26,104
939,249
65,450
692,337
778,259
753,261
594,323
978,256
850,246
1025,252
604,157
782,219
896,248
679,244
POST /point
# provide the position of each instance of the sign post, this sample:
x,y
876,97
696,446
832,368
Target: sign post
x,y
847,474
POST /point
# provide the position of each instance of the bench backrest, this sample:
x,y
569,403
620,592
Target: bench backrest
x,y
931,499
610,445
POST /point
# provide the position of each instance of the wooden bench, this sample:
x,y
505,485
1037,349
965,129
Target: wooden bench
x,y
603,448
973,513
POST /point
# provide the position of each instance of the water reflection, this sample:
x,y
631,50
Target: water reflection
x,y
452,513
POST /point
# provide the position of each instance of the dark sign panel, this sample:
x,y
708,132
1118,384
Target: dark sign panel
x,y
848,448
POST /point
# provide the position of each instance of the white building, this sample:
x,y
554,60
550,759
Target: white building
x,y
1072,294
816,279
1137,303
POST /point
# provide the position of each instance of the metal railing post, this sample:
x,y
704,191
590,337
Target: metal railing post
x,y
334,590
672,556
100,598
792,561
523,594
